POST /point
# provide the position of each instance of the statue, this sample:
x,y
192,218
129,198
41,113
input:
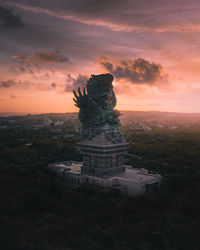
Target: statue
x,y
97,115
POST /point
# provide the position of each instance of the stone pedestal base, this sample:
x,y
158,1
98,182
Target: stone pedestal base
x,y
103,160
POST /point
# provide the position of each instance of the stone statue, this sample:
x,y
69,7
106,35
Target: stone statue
x,y
97,115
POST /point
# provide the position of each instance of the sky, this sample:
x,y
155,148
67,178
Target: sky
x,y
48,48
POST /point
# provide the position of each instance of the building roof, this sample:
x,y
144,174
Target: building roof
x,y
138,175
69,166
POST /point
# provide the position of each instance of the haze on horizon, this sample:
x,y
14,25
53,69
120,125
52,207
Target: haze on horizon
x,y
48,48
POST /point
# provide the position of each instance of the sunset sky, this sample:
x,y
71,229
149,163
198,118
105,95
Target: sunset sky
x,y
50,47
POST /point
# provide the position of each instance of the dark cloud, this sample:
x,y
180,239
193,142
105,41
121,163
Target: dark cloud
x,y
8,19
27,64
42,57
12,82
7,83
49,57
74,83
120,14
33,63
138,71
53,85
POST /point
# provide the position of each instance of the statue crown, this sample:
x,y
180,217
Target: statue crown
x,y
99,84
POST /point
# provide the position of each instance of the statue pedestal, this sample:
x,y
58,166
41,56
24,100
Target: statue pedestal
x,y
102,158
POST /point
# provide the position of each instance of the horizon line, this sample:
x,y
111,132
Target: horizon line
x,y
4,114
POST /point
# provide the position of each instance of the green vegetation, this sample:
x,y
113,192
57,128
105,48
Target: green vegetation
x,y
166,151
38,212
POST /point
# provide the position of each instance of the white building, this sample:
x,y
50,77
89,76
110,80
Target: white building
x,y
132,181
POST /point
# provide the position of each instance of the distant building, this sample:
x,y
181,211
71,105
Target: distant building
x,y
58,123
143,127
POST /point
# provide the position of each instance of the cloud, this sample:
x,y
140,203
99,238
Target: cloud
x,y
138,71
142,15
9,20
46,87
42,57
33,63
53,85
49,57
12,82
74,83
27,64
7,84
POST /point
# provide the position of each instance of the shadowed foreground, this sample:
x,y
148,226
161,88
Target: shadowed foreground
x,y
38,213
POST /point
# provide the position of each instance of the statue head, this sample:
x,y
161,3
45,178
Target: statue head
x,y
96,107
98,84
100,88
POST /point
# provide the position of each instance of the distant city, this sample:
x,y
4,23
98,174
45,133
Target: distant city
x,y
137,120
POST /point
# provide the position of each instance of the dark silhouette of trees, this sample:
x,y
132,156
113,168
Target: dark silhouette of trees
x,y
38,212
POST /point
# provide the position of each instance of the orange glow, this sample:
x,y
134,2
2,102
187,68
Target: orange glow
x,y
53,48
